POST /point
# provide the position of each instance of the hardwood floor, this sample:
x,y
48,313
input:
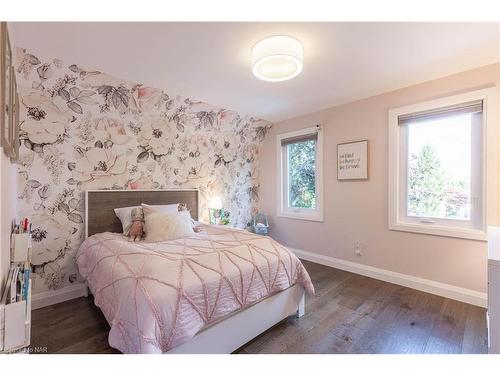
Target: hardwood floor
x,y
349,314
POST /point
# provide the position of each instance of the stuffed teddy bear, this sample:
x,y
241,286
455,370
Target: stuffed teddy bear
x,y
136,229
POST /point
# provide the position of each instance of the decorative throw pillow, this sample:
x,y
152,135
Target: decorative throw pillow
x,y
165,226
125,216
161,208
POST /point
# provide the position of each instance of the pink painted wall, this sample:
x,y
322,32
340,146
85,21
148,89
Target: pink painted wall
x,y
358,210
8,204
8,212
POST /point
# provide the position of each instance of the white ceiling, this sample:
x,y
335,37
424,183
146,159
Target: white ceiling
x,y
343,62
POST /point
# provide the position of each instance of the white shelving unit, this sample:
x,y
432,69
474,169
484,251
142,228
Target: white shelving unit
x,y
15,317
15,324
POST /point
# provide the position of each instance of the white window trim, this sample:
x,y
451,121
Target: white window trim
x,y
489,195
302,214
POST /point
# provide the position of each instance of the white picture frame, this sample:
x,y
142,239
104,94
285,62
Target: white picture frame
x,y
352,160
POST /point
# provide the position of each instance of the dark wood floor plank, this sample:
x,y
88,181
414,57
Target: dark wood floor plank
x,y
411,328
316,339
475,335
349,314
358,290
448,330
375,337
97,344
336,343
436,345
375,303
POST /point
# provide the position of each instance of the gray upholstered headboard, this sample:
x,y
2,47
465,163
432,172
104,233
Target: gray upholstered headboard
x,y
99,205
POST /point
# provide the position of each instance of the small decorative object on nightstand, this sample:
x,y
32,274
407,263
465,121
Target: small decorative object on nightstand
x,y
224,218
260,224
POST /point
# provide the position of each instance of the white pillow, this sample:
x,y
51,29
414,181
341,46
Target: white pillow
x,y
167,208
125,216
165,226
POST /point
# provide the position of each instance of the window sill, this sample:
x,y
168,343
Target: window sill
x,y
298,216
436,230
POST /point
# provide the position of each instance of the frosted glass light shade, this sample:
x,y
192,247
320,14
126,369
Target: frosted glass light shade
x,y
215,203
277,58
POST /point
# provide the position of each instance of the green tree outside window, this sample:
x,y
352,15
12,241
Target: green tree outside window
x,y
302,174
431,193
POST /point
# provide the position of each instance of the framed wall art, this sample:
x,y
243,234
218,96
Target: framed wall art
x,y
15,124
6,119
352,160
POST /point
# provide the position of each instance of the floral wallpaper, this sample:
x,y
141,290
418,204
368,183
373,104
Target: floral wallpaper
x,y
83,129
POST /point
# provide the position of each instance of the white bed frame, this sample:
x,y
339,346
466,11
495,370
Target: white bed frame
x,y
241,327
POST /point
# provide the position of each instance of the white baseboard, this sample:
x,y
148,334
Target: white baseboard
x,y
52,297
434,287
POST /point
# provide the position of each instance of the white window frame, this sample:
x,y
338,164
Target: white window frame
x,y
282,193
398,220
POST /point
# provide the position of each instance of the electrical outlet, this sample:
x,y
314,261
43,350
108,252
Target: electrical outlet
x,y
357,248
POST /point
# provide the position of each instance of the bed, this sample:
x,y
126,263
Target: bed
x,y
207,293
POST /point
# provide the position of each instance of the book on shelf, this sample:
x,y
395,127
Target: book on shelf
x,y
13,285
27,274
17,285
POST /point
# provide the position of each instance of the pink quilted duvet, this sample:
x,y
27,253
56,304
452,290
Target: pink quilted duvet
x,y
156,296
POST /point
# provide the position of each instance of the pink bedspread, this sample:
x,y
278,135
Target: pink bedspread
x,y
156,296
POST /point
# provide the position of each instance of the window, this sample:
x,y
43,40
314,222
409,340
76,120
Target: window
x,y
300,174
437,165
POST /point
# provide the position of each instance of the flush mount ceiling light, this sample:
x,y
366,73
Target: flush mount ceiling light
x,y
277,58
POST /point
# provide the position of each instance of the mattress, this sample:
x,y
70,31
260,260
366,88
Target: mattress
x,y
156,296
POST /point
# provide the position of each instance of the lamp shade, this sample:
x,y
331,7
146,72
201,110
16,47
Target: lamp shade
x,y
277,58
215,203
